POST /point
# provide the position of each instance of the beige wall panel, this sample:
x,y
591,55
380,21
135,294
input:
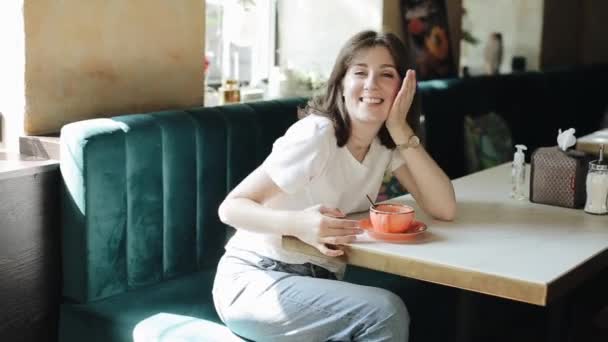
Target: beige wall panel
x,y
96,58
392,19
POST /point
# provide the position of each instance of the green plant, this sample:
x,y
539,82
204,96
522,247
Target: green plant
x,y
469,38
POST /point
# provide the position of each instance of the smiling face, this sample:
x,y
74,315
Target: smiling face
x,y
349,102
370,85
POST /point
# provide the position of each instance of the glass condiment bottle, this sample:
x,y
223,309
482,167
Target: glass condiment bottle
x,y
230,92
518,173
597,186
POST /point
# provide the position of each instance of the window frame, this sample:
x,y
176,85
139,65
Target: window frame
x,y
263,54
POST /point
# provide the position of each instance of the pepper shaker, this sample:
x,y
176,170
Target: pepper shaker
x,y
597,186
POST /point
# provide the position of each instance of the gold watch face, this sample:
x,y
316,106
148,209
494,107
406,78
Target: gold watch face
x,y
414,141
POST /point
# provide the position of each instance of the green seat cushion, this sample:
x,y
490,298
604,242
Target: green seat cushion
x,y
170,328
114,318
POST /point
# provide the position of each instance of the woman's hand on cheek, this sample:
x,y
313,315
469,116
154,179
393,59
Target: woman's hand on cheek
x,y
401,105
325,229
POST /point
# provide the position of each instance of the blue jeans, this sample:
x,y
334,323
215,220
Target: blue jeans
x,y
266,300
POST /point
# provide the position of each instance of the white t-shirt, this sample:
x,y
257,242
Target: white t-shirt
x,y
310,168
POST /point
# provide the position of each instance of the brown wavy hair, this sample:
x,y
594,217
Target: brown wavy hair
x,y
330,102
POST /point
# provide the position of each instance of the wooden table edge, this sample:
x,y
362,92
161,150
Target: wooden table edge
x,y
494,285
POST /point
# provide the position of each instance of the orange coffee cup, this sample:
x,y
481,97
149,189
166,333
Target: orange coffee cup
x,y
391,217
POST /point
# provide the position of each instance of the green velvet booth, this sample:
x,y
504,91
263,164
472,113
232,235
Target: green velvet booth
x,y
534,105
140,230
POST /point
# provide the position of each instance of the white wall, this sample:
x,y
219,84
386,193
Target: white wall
x,y
311,32
519,21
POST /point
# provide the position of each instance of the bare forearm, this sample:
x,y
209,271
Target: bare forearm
x,y
244,213
317,225
435,190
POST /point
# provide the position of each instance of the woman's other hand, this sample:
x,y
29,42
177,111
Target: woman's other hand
x,y
325,229
396,121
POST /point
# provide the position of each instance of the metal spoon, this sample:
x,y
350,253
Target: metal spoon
x,y
370,201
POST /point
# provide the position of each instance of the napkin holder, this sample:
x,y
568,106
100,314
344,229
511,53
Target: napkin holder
x,y
557,177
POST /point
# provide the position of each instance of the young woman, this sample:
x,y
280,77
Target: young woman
x,y
318,172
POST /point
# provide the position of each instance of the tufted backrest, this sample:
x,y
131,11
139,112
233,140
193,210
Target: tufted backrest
x,y
141,191
533,104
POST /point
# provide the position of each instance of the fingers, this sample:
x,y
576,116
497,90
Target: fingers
x,y
328,251
405,95
338,223
408,89
333,212
343,231
338,240
404,84
411,83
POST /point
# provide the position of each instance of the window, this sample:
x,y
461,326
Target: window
x,y
239,40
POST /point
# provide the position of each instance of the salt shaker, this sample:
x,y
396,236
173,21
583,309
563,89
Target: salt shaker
x,y
597,186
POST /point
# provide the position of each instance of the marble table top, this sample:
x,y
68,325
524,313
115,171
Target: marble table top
x,y
496,245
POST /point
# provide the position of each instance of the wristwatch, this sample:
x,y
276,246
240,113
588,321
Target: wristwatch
x,y
412,142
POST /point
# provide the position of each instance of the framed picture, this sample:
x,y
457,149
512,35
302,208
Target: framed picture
x,y
426,26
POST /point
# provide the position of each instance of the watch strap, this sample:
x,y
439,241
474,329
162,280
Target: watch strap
x,y
412,142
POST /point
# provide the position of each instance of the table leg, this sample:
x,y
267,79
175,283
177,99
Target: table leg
x,y
588,310
466,316
481,317
557,322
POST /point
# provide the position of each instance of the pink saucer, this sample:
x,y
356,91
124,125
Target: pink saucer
x,y
415,229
